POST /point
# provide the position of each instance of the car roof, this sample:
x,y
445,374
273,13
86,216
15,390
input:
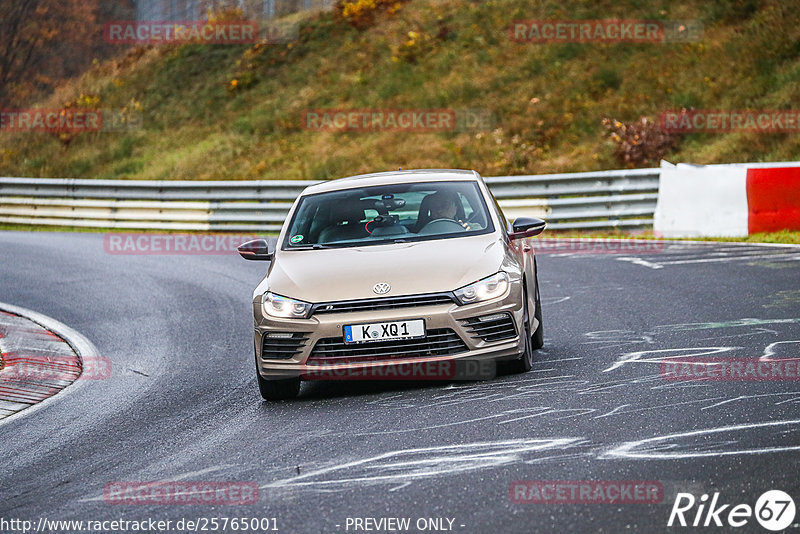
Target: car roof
x,y
392,177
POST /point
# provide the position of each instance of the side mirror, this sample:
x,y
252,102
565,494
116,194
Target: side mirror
x,y
527,227
256,249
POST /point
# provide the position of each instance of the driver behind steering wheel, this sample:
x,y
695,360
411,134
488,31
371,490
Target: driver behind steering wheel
x,y
443,206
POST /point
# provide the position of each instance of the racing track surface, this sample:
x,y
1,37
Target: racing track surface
x,y
182,403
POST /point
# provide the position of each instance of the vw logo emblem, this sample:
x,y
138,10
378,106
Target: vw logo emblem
x,y
382,288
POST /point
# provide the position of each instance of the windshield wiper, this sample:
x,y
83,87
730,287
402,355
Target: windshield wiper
x,y
319,246
315,246
346,244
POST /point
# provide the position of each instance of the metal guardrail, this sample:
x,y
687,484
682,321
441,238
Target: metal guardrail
x,y
588,200
581,201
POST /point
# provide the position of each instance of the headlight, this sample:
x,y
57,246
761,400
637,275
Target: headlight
x,y
278,306
491,287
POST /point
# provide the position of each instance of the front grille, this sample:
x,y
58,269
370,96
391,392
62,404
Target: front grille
x,y
491,327
386,303
282,345
438,342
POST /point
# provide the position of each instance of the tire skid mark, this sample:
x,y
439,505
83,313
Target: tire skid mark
x,y
407,465
696,443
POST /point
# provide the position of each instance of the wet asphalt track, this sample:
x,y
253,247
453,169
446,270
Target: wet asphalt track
x,y
182,403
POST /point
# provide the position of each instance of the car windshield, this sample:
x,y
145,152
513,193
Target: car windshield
x,y
388,213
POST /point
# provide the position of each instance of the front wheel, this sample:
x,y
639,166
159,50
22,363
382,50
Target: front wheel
x,y
287,388
537,342
278,389
525,362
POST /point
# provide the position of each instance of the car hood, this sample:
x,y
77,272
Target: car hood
x,y
409,268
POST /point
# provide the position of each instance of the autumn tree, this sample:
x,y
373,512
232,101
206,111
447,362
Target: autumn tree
x,y
44,41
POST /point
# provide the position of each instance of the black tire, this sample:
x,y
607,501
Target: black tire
x,y
525,361
278,389
537,341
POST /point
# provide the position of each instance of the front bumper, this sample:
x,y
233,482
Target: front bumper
x,y
438,317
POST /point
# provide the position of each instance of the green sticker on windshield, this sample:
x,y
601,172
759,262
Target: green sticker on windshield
x,y
296,238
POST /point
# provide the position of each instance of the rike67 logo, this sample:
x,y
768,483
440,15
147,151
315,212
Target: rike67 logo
x,y
774,510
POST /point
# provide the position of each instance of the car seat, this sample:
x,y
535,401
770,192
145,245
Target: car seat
x,y
346,217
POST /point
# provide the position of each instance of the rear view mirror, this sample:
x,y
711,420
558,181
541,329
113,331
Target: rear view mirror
x,y
257,249
386,205
527,227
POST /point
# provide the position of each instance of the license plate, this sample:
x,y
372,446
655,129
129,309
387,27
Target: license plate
x,y
363,333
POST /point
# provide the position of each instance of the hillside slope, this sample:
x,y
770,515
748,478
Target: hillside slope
x,y
234,112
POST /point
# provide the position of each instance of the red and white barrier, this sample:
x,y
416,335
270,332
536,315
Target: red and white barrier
x,y
727,200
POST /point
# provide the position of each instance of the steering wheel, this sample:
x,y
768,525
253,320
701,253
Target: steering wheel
x,y
455,225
